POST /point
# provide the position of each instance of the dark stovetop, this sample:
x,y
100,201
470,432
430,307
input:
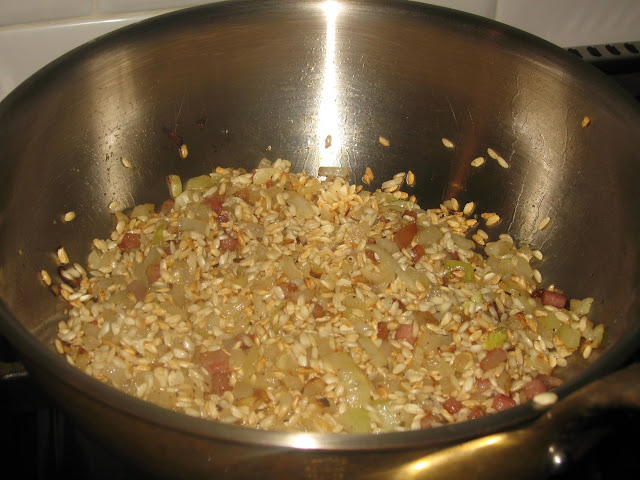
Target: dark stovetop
x,y
41,443
620,61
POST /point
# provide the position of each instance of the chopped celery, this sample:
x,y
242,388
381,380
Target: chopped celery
x,y
158,235
452,265
192,225
496,339
175,185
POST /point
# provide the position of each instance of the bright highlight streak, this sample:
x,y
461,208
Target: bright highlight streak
x,y
305,441
329,131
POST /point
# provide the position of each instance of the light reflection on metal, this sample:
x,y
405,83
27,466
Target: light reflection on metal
x,y
451,460
420,465
305,441
328,115
556,456
492,440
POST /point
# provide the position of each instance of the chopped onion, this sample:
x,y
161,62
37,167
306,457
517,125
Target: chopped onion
x,y
356,233
263,175
237,358
242,390
569,336
581,307
356,384
499,248
99,260
429,235
234,307
251,360
264,163
287,362
175,185
314,387
201,183
143,210
378,276
289,268
387,261
548,326
255,230
388,245
538,363
417,358
302,205
389,417
352,301
356,420
463,243
594,335
341,172
431,341
390,202
372,350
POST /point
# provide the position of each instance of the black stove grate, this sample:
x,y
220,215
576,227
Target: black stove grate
x,y
620,61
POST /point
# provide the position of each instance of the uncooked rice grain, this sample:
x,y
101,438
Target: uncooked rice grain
x,y
274,300
544,223
62,256
447,143
476,162
502,162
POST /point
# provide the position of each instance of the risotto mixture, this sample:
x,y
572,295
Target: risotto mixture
x,y
278,301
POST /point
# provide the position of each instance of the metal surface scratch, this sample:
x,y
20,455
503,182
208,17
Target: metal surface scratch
x,y
179,112
515,210
453,113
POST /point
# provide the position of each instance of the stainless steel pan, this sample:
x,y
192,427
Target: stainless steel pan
x,y
243,80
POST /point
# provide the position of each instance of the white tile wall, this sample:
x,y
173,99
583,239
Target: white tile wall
x,y
34,32
574,22
486,8
26,49
24,11
121,6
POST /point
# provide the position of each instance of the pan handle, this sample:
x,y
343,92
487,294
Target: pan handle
x,y
552,445
11,368
12,371
603,411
